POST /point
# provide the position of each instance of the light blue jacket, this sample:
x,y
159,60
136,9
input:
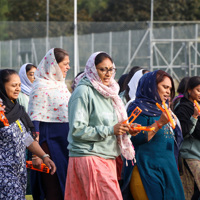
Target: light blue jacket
x,y
23,100
91,121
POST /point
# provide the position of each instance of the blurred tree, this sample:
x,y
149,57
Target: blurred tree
x,y
176,10
126,10
93,10
59,10
3,24
3,9
31,10
137,10
193,10
35,10
91,7
100,10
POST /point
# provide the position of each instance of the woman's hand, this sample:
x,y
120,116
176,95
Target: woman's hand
x,y
35,148
163,119
120,128
2,107
196,112
50,164
133,132
37,162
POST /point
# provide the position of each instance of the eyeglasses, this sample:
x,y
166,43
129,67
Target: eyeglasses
x,y
105,70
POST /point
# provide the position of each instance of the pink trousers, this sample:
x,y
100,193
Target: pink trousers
x,y
92,178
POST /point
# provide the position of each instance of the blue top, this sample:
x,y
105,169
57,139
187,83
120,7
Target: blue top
x,y
13,173
146,98
55,135
155,158
156,163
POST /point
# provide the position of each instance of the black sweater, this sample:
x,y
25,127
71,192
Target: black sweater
x,y
184,111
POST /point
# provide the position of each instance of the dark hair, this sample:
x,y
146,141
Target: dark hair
x,y
60,54
160,77
74,84
100,57
29,67
5,75
182,85
121,82
129,77
192,83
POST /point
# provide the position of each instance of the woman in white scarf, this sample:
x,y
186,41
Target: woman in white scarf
x,y
48,109
133,83
26,74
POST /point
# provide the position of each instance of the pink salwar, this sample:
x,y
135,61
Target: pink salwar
x,y
92,178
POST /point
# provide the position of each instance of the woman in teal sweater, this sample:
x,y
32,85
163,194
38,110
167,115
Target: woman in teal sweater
x,y
96,115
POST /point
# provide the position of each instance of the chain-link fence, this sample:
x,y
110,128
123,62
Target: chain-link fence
x,y
172,46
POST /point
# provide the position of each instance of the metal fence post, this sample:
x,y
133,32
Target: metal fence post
x,y
110,44
11,54
196,47
61,42
19,56
129,45
172,46
92,43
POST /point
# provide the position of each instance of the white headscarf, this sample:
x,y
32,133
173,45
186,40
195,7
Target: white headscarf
x,y
133,83
49,96
110,91
26,84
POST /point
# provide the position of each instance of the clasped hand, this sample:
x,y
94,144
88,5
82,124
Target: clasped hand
x,y
47,161
164,119
121,128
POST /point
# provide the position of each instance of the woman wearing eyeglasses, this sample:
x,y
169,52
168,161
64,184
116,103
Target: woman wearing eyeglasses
x,y
96,114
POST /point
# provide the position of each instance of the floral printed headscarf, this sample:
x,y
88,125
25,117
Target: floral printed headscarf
x,y
110,91
49,96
